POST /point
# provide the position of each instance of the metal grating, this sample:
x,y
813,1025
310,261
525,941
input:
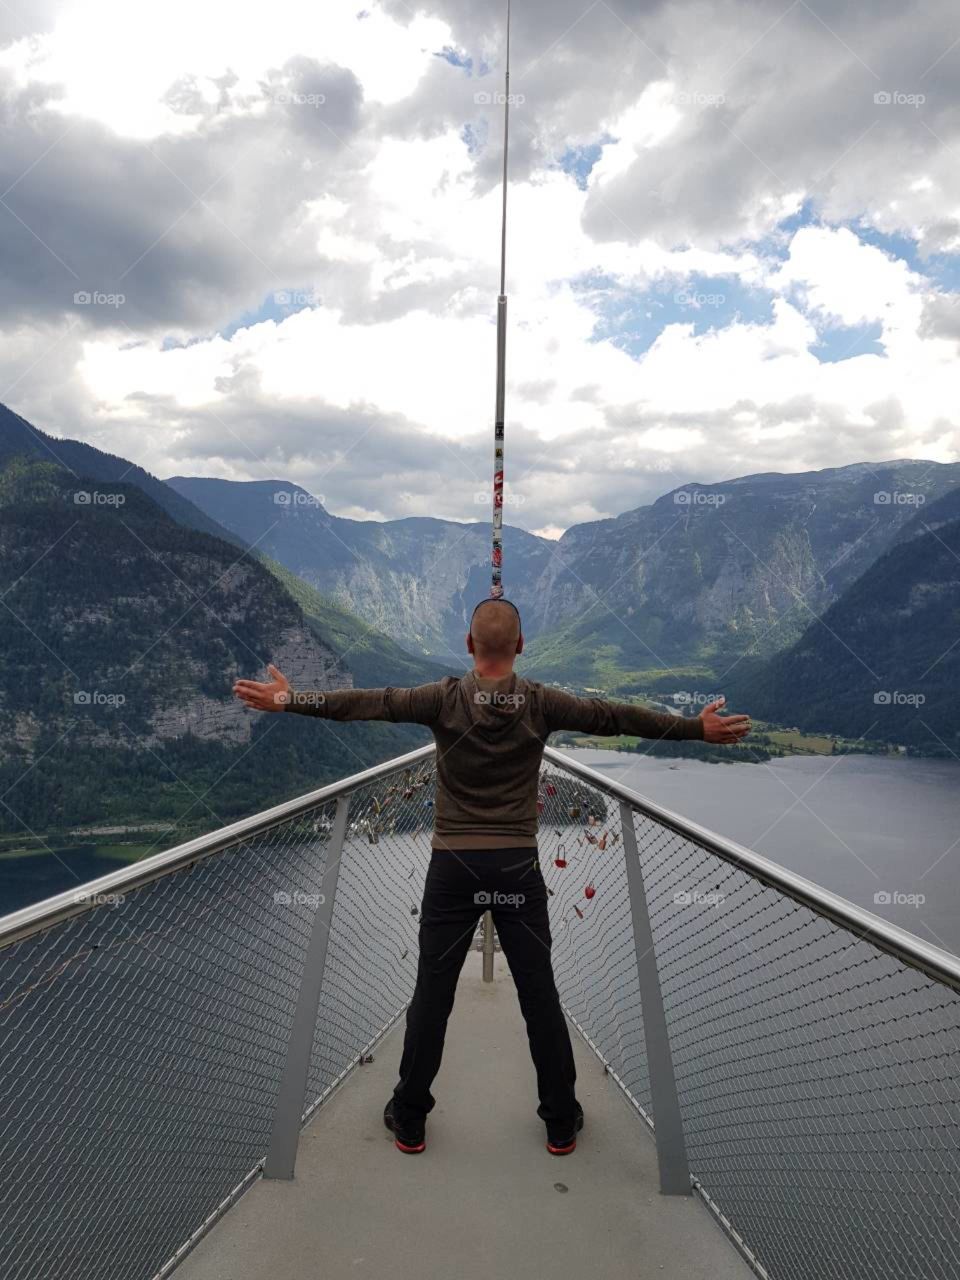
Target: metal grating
x,y
143,1040
817,1075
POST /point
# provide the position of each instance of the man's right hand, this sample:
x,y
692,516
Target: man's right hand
x,y
725,729
273,696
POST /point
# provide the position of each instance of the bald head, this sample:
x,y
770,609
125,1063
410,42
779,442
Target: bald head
x,y
494,633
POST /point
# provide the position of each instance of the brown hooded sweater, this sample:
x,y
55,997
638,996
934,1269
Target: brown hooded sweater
x,y
490,734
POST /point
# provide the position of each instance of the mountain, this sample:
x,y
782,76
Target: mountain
x,y
884,660
122,633
20,439
665,594
415,579
938,513
709,573
373,658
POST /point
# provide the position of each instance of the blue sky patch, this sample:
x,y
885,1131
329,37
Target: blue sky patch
x,y
632,319
275,306
456,57
172,344
578,161
475,134
845,342
941,269
805,216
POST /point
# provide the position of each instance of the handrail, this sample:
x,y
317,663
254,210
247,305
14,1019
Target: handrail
x,y
940,964
719,1071
41,915
937,963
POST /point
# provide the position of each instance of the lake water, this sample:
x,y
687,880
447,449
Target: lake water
x,y
859,825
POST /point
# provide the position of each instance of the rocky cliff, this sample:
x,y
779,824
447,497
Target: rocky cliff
x,y
704,576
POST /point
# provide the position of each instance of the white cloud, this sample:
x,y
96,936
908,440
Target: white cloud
x,y
381,207
116,61
847,281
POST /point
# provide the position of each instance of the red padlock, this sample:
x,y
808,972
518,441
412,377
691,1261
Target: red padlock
x,y
589,891
551,789
559,862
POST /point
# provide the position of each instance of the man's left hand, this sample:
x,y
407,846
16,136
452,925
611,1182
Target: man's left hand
x,y
725,729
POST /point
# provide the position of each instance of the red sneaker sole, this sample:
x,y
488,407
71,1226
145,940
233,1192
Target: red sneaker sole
x,y
562,1151
409,1151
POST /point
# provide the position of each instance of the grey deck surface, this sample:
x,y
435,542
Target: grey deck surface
x,y
485,1201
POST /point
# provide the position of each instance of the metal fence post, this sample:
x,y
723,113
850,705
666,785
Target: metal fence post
x,y
285,1132
668,1125
488,946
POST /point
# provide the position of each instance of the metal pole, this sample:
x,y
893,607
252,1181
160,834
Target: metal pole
x,y
667,1122
488,946
285,1133
496,555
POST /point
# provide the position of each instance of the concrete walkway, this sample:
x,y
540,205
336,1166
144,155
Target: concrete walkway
x,y
485,1201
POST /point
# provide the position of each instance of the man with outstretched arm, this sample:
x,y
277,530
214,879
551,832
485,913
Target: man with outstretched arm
x,y
490,727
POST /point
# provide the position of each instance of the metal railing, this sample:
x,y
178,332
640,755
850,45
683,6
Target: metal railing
x,y
165,1032
804,1063
158,1046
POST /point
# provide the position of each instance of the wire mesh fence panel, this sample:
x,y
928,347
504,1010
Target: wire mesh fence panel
x,y
819,1076
142,1042
594,959
372,952
141,1046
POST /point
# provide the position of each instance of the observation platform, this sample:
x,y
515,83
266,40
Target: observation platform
x,y
181,1034
485,1201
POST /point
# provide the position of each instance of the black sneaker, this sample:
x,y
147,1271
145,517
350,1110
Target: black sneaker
x,y
561,1144
409,1139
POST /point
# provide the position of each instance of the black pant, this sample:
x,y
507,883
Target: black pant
x,y
459,888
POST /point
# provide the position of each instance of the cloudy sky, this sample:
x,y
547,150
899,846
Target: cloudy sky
x,y
734,242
